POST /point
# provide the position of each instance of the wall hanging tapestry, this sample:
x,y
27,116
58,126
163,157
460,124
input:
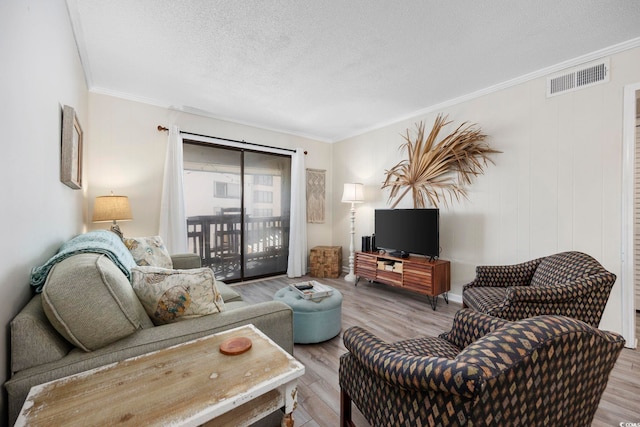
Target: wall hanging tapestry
x,y
315,195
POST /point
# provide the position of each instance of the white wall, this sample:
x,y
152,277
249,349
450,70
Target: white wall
x,y
127,153
555,187
40,73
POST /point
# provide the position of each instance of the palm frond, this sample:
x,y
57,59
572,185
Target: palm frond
x,y
436,171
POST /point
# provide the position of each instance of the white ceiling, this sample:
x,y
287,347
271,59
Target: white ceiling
x,y
330,69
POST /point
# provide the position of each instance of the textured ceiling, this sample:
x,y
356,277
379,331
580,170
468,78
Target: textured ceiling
x,y
329,69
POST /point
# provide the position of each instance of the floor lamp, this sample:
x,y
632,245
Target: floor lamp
x,y
352,193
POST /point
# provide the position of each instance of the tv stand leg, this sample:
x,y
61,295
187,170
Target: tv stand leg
x,y
434,302
434,299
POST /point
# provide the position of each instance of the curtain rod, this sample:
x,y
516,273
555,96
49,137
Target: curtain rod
x,y
165,129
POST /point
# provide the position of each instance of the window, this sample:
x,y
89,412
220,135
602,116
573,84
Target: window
x,y
260,196
237,204
263,180
226,190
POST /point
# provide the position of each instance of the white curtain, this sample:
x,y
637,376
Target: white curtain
x,y
173,222
298,228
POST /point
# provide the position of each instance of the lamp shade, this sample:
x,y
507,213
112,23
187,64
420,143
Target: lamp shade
x,y
353,193
111,208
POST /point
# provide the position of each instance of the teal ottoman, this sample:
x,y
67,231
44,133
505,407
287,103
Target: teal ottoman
x,y
314,320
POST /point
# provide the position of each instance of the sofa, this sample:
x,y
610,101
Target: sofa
x,y
88,315
486,371
571,284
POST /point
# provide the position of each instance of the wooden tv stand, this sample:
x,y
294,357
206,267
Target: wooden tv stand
x,y
417,274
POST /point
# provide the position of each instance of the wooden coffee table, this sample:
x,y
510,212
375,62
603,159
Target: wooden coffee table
x,y
188,384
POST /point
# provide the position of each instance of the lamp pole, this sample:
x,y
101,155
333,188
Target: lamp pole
x,y
351,277
352,193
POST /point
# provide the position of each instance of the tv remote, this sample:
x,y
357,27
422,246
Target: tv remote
x,y
304,287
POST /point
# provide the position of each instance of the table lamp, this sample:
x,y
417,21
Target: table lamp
x,y
112,208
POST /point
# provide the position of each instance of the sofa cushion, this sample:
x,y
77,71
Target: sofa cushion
x,y
90,302
227,292
149,251
171,295
186,261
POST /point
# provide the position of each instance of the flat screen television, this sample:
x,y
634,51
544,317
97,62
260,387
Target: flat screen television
x,y
401,232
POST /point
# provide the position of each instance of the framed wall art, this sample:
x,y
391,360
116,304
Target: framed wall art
x,y
71,149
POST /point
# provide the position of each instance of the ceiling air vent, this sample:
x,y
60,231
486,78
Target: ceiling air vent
x,y
579,77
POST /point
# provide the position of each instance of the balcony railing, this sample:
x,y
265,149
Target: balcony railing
x,y
218,241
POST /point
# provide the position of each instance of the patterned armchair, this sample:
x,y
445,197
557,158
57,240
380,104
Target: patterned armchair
x,y
541,371
570,284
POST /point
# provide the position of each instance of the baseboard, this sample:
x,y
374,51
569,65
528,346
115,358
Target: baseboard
x,y
455,298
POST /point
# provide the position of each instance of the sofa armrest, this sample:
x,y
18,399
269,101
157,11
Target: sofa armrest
x,y
470,325
186,261
412,372
561,292
526,342
504,275
34,341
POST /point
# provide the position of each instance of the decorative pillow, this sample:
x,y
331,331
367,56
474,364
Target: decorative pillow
x,y
90,302
149,251
172,295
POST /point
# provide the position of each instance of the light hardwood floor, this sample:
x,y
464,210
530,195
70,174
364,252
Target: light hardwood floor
x,y
394,314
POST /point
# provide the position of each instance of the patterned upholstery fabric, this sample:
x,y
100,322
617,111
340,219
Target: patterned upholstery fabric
x,y
564,267
489,300
569,284
499,276
541,371
469,325
427,346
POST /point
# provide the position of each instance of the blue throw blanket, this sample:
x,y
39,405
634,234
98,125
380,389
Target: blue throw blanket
x,y
99,242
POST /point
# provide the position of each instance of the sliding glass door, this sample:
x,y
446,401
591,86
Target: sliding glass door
x,y
237,206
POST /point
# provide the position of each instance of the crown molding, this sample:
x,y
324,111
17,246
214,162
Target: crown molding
x,y
593,56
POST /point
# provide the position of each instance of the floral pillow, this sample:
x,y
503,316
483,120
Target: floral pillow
x,y
149,251
171,295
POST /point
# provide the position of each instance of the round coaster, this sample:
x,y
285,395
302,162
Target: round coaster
x,y
234,346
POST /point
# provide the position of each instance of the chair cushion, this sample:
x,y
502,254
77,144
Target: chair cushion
x,y
149,251
90,302
171,295
485,298
564,267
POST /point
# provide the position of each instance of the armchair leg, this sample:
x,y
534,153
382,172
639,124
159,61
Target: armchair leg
x,y
345,409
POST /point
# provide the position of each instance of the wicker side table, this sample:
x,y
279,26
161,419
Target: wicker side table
x,y
326,261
